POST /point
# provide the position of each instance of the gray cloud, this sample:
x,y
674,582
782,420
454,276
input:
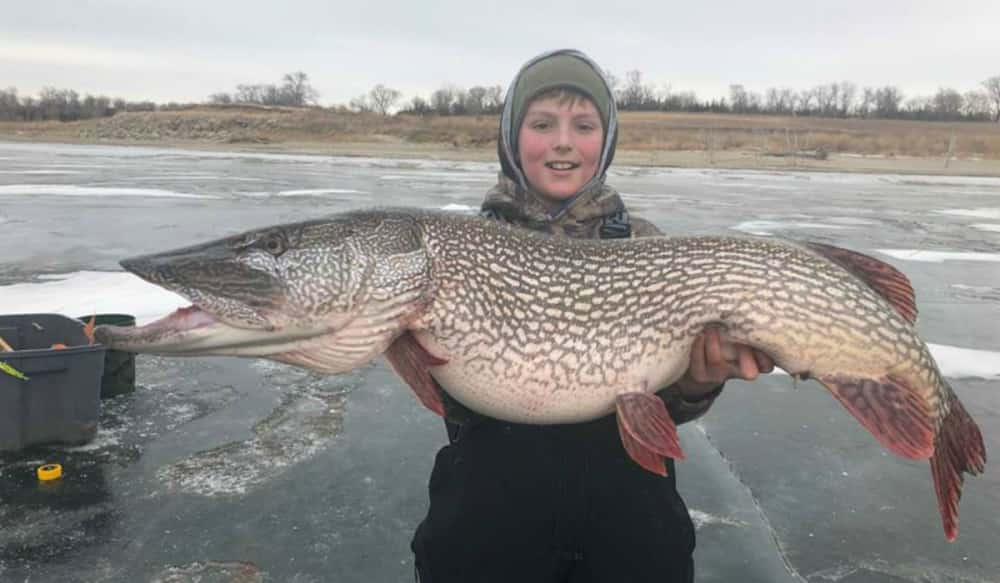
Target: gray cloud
x,y
186,50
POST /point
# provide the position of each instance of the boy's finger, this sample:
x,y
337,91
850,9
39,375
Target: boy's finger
x,y
748,365
697,365
713,347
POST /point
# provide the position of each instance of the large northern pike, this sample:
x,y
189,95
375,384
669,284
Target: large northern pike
x,y
534,329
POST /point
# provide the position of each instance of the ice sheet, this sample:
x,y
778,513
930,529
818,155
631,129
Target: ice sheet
x,y
91,191
939,256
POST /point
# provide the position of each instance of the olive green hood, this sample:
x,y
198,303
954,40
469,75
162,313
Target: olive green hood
x,y
563,68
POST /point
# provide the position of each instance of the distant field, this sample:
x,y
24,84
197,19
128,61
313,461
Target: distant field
x,y
678,139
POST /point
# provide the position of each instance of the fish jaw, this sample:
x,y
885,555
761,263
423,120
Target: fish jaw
x,y
193,331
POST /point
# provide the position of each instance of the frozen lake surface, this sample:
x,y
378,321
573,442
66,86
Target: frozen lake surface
x,y
220,469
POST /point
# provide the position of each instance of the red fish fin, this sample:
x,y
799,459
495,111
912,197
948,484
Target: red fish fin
x,y
889,282
647,431
410,360
891,410
959,449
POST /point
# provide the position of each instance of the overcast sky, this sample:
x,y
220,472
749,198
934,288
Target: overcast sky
x,y
185,50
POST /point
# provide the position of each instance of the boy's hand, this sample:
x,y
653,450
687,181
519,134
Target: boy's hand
x,y
714,361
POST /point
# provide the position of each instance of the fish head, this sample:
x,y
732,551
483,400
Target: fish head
x,y
273,290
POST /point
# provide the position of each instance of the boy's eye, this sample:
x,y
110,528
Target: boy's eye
x,y
540,125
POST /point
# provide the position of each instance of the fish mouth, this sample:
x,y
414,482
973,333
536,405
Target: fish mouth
x,y
195,331
168,334
181,320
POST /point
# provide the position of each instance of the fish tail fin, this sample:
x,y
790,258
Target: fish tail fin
x,y
958,449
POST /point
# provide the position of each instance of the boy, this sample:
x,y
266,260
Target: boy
x,y
529,503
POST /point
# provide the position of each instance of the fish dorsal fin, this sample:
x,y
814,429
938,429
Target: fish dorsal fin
x,y
891,283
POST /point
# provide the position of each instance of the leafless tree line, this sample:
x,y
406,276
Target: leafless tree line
x,y
64,105
843,99
448,100
294,91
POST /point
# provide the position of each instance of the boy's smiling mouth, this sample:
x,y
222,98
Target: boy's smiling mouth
x,y
559,165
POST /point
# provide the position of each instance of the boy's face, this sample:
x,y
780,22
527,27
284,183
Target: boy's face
x,y
560,145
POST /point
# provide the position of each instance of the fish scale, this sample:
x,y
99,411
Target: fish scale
x,y
697,281
535,329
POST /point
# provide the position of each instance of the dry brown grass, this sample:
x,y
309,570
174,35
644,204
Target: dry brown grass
x,y
776,135
645,137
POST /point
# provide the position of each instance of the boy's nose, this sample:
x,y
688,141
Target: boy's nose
x,y
564,140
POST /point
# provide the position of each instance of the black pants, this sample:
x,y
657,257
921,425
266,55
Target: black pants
x,y
550,504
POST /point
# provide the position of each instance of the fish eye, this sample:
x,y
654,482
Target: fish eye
x,y
274,244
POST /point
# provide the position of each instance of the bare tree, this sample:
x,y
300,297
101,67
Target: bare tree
x,y
887,101
806,97
419,106
441,100
739,98
846,96
296,90
780,101
947,104
460,98
976,105
992,86
10,105
493,100
382,98
636,95
360,104
827,98
475,100
867,104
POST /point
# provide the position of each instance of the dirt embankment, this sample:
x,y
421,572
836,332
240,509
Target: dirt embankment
x,y
646,138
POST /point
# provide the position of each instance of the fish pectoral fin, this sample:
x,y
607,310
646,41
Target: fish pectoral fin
x,y
647,431
412,362
899,417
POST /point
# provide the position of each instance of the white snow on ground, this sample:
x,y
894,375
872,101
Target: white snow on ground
x,y
979,213
198,177
464,208
986,227
349,161
988,185
40,172
83,293
703,519
765,228
73,190
438,177
316,191
958,362
939,256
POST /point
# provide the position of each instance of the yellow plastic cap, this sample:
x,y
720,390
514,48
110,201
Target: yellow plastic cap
x,y
49,472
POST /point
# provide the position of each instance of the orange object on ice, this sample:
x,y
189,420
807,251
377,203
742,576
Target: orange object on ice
x,y
88,330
